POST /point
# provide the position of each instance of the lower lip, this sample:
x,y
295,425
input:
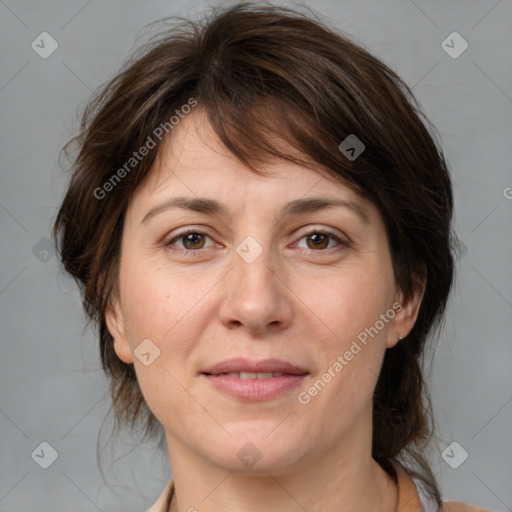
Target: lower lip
x,y
255,390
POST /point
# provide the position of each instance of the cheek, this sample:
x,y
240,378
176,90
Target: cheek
x,y
351,337
157,300
348,302
170,308
159,308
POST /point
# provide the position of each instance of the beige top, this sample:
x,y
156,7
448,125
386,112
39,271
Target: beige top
x,y
408,498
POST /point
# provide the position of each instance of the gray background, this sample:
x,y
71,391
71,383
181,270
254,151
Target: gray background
x,y
51,385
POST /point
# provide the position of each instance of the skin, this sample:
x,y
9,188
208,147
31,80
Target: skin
x,y
297,301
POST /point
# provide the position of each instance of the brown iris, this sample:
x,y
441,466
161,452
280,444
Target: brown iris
x,y
193,240
318,240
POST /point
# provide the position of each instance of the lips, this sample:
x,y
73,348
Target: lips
x,y
255,380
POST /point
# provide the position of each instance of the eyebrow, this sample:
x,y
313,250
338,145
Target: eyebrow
x,y
296,207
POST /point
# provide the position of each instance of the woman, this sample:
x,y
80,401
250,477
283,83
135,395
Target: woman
x,y
260,223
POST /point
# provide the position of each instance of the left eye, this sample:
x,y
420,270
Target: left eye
x,y
320,240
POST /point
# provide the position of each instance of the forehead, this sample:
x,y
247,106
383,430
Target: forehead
x,y
193,162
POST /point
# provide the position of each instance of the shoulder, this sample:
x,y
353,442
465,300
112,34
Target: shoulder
x,y
455,506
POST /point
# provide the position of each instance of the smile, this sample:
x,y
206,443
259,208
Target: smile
x,y
257,387
252,375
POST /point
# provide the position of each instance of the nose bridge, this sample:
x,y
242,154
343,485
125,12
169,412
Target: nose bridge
x,y
254,280
252,265
255,297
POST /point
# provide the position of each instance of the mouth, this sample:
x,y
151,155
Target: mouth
x,y
254,380
249,375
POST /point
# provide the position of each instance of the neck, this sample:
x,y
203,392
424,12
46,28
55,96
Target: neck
x,y
345,480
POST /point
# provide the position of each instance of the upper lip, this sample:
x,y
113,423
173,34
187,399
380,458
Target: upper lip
x,y
264,366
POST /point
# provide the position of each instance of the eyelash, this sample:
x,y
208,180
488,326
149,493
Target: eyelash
x,y
309,233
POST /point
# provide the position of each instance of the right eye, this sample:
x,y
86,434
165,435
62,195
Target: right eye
x,y
192,240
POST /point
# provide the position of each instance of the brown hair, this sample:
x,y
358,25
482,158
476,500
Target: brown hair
x,y
315,88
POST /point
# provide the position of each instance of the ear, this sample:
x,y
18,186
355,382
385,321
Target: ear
x,y
406,313
116,327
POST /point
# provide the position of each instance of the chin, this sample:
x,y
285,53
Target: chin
x,y
258,447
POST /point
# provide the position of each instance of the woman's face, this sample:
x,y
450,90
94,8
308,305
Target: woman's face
x,y
265,274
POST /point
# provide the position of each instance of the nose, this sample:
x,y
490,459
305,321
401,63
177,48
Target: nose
x,y
256,297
